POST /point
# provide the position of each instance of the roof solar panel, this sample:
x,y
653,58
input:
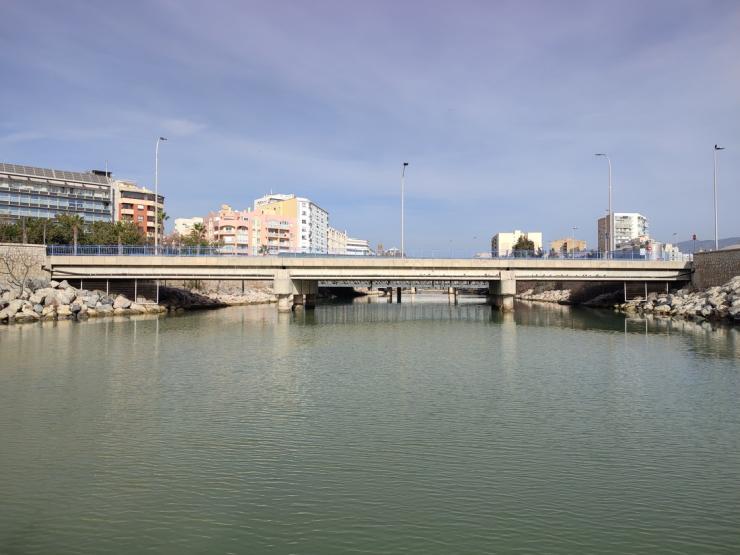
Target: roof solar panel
x,y
31,171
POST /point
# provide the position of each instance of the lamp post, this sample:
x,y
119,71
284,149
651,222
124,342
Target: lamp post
x,y
156,194
403,184
716,227
610,233
573,246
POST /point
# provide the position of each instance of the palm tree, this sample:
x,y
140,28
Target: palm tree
x,y
199,234
263,250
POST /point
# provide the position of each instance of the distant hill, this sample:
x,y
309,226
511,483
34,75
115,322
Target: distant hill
x,y
707,244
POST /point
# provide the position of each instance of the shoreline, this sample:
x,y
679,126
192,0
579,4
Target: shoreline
x,y
718,304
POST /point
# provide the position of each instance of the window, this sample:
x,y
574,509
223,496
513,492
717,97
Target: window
x,y
140,207
140,218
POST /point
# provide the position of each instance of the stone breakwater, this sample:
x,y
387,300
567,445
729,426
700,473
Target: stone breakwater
x,y
60,301
552,296
720,303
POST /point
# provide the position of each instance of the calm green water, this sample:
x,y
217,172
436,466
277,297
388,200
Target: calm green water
x,y
370,428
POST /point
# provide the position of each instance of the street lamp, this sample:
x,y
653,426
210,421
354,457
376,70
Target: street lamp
x,y
610,234
403,183
573,246
156,194
716,227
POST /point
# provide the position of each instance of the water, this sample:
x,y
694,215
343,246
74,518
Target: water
x,y
370,428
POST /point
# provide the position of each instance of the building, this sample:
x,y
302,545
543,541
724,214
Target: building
x,y
627,226
184,226
138,205
251,232
502,244
229,228
336,241
358,247
26,191
570,244
312,220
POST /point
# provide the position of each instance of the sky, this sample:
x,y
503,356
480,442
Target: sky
x,y
498,106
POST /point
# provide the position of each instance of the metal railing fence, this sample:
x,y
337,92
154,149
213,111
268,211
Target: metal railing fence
x,y
165,250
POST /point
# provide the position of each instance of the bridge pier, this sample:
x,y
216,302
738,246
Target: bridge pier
x,y
501,293
452,295
294,293
398,294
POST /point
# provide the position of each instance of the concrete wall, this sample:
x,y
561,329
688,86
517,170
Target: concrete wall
x,y
17,254
715,267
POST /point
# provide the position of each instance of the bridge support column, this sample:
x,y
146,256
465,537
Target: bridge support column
x,y
501,293
452,295
412,290
398,294
282,286
293,293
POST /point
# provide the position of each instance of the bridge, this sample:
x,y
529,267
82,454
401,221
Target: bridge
x,y
296,278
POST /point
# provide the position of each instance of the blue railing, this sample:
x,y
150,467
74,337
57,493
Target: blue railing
x,y
149,250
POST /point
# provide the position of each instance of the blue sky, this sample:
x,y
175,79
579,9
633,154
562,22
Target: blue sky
x,y
498,106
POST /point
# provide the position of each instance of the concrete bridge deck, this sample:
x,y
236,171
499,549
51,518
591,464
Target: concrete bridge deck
x,y
362,268
299,276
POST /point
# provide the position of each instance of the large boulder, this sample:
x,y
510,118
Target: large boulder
x,y
64,285
63,311
10,311
121,302
65,296
91,298
103,309
26,315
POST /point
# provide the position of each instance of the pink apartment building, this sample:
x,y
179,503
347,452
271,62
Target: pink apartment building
x,y
251,232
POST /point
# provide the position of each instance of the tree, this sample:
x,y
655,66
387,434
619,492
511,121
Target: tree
x,y
523,247
16,264
69,226
263,250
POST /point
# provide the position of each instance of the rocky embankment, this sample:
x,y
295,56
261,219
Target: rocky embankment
x,y
721,303
552,296
60,301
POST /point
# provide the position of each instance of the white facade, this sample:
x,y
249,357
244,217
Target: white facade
x,y
312,221
503,243
313,225
336,241
627,226
358,247
183,226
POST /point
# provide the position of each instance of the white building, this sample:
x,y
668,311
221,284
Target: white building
x,y
336,241
503,243
183,226
312,220
359,247
627,226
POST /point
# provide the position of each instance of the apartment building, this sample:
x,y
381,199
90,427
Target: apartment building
x,y
312,221
627,226
358,247
502,244
569,244
138,205
27,191
184,226
250,232
336,241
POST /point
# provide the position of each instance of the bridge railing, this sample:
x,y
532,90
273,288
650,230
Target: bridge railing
x,y
170,250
